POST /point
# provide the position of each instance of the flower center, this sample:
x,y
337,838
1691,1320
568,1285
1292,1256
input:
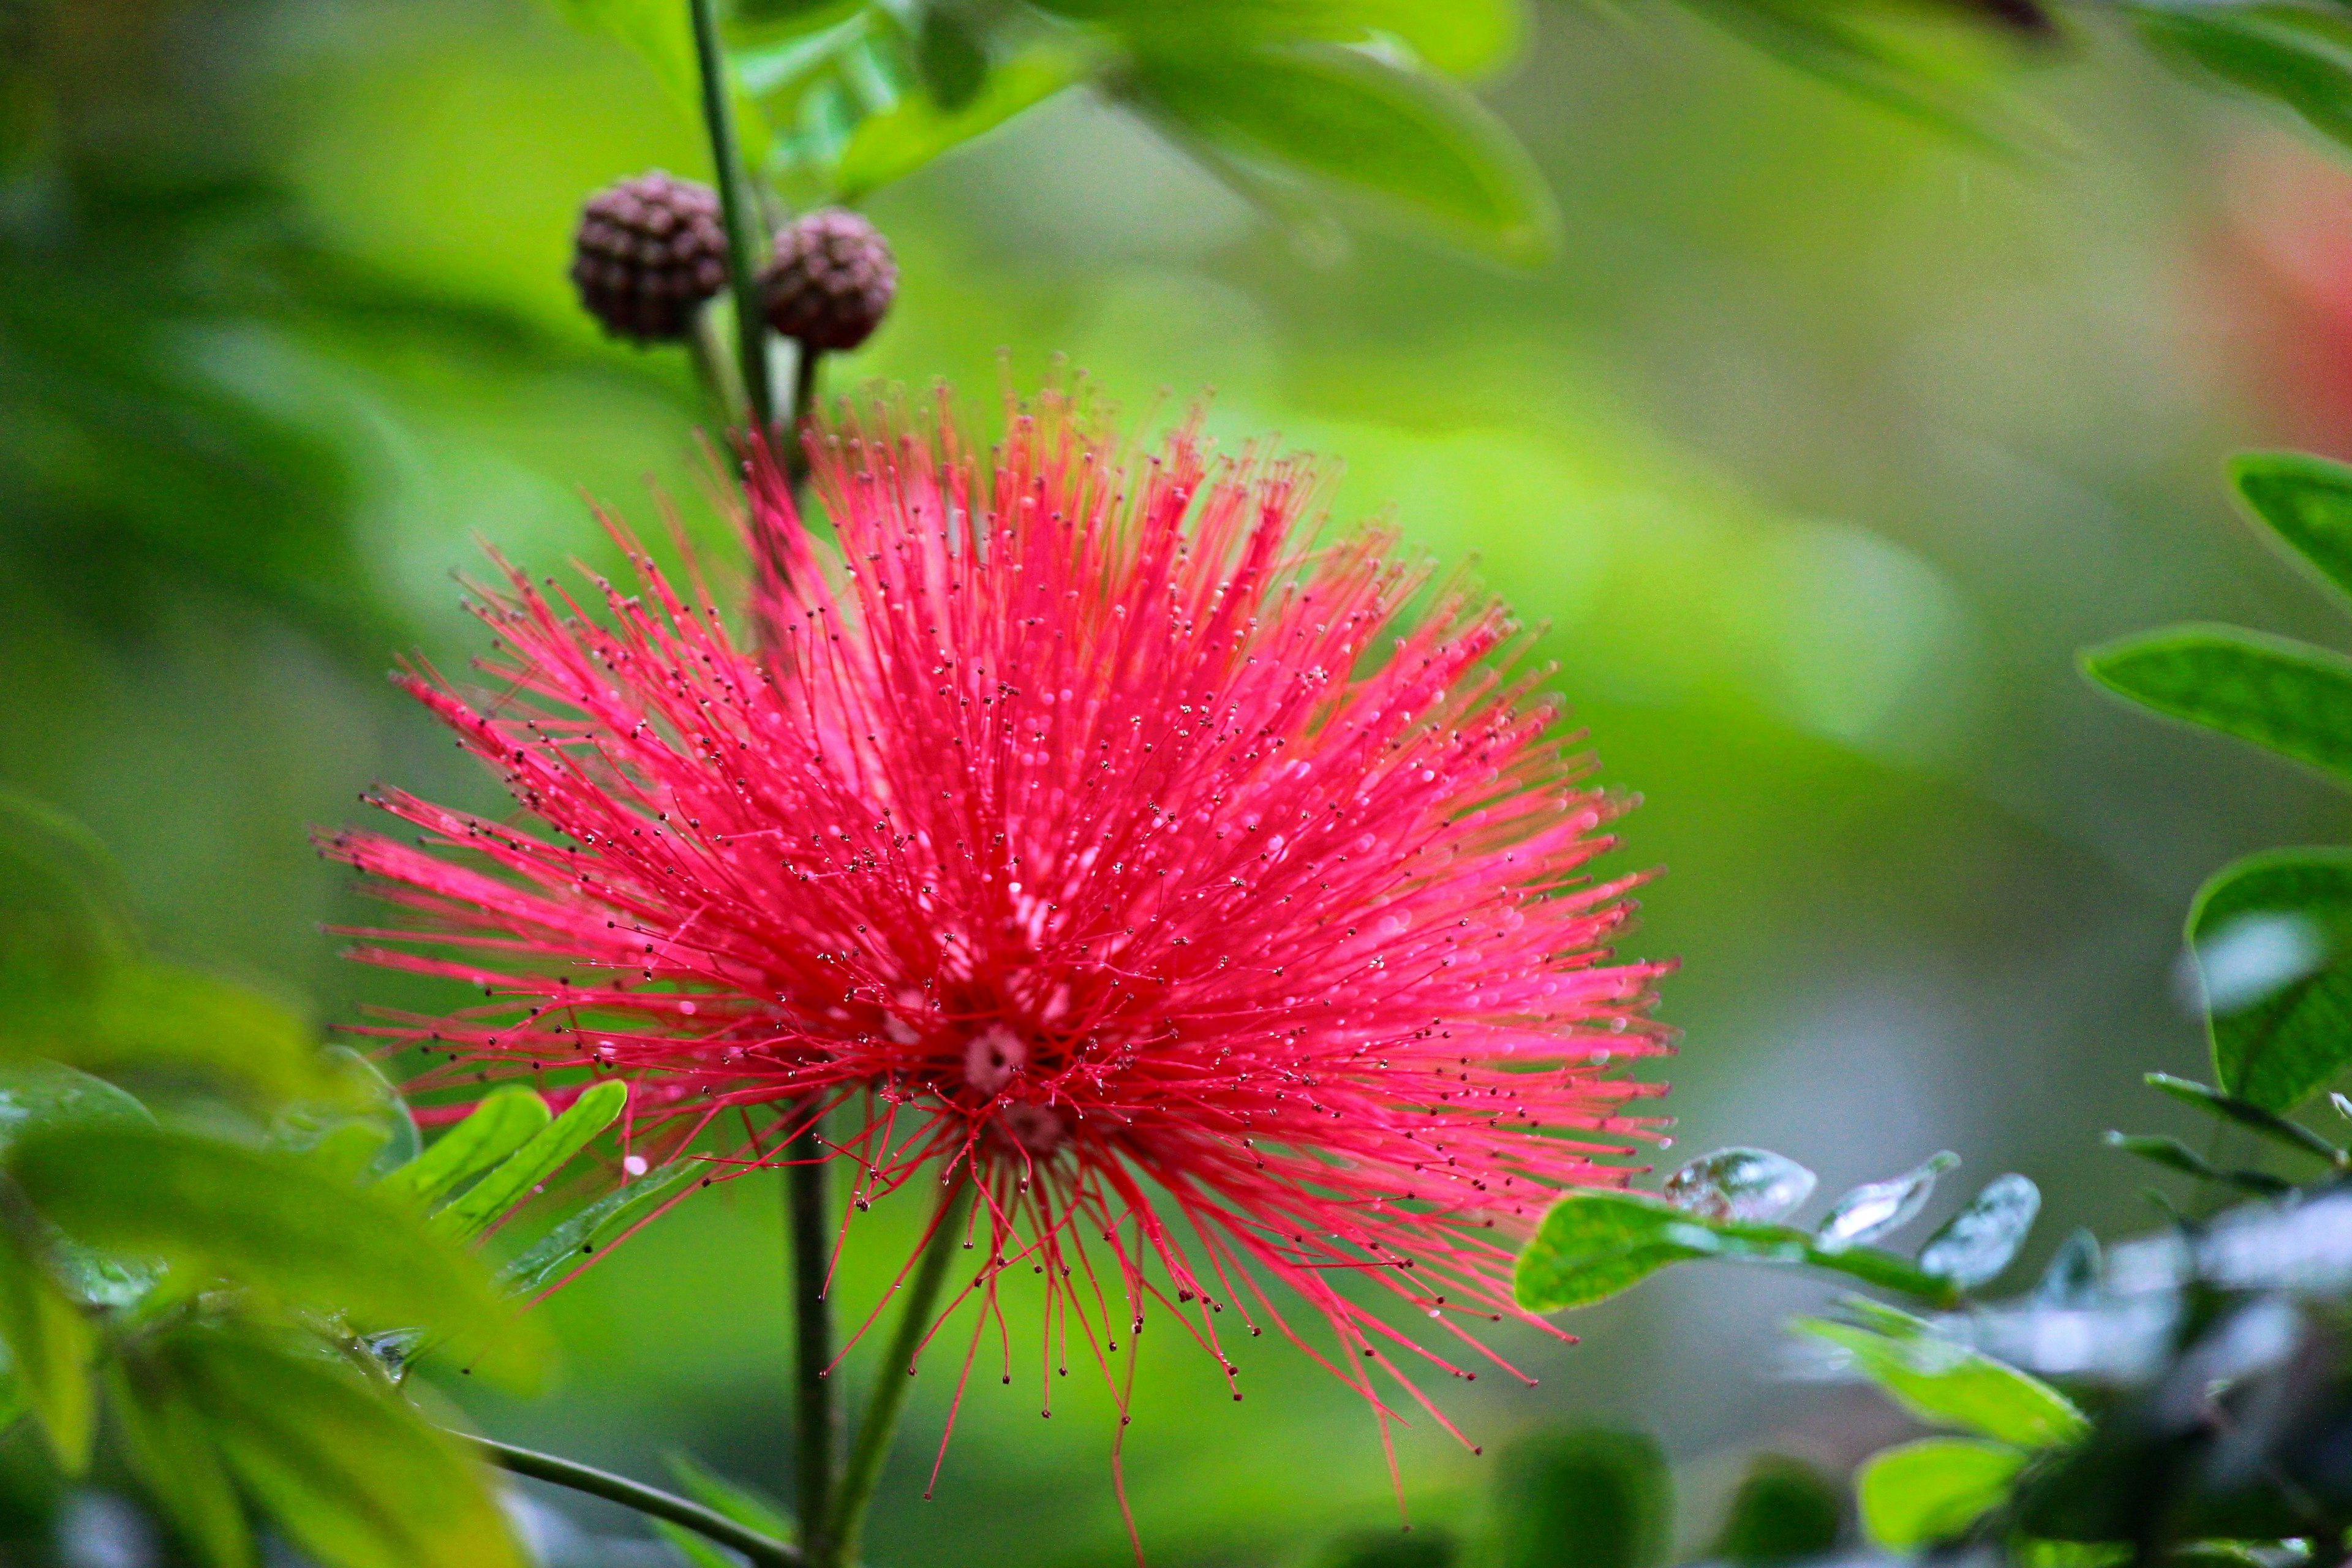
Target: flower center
x,y
992,1057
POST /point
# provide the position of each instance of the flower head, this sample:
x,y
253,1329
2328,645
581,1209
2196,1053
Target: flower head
x,y
1081,828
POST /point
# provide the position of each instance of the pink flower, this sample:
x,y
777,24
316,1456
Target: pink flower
x,y
1080,827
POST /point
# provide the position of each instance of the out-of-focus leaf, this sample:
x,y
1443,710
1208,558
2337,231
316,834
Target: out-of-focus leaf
x,y
2297,56
1424,1547
950,59
1949,1384
1753,1184
2074,1274
548,1151
1591,1246
50,1344
570,1244
2284,695
271,1221
2247,1114
2271,935
503,1122
1416,140
697,1551
893,144
38,1096
349,1473
658,32
64,911
364,1132
163,1438
1933,1490
1872,1209
1975,1244
2174,1155
1786,1511
1461,37
150,1015
743,1504
2307,503
1585,1499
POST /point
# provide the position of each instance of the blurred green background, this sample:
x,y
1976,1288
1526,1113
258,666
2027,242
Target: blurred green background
x,y
1822,448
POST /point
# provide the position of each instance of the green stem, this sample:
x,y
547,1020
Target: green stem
x,y
795,456
714,369
855,1493
764,1551
744,248
817,1412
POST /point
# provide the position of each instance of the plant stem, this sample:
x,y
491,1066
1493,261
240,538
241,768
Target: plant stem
x,y
764,1551
795,456
744,248
817,1412
714,369
855,1493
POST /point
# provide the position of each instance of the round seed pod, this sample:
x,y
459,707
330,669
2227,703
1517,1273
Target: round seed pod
x,y
830,281
648,252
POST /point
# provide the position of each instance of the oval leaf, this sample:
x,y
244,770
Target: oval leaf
x,y
548,1151
1870,1210
1976,1244
572,1244
268,1220
2284,695
50,1344
2301,59
893,144
1933,1490
2272,934
1786,1511
1587,1499
1410,137
1947,1384
1753,1184
1593,1245
2308,503
164,1439
505,1121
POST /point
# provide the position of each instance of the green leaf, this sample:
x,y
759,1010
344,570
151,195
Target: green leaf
x,y
352,1475
2286,696
1584,1498
1947,1384
1786,1511
698,1551
1416,140
2308,503
38,1096
744,1505
2271,935
895,144
548,1151
364,1131
63,908
50,1344
503,1122
270,1221
1423,1547
1872,1209
1975,1244
1933,1490
1461,37
164,1439
2245,1114
150,1015
658,32
570,1244
1592,1245
950,59
2170,1153
2297,57
1739,1184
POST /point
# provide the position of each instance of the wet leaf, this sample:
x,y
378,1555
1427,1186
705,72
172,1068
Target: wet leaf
x,y
1949,1384
548,1151
1870,1210
1753,1184
2174,1155
1933,1490
1976,1244
572,1244
2074,1277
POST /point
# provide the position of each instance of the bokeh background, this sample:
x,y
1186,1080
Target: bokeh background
x,y
1826,443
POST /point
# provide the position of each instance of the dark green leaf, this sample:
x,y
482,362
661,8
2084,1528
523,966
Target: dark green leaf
x,y
2246,1114
270,1221
63,908
895,144
347,1472
38,1096
1975,1244
548,1151
1785,1511
570,1245
503,1122
2308,503
950,59
2271,935
50,1344
1423,1547
1872,1209
1753,1184
2174,1155
743,1504
2297,55
1933,1490
697,1551
1414,140
2286,697
1946,1382
163,1438
1586,1498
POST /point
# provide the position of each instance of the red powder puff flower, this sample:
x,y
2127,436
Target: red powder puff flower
x,y
1080,827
